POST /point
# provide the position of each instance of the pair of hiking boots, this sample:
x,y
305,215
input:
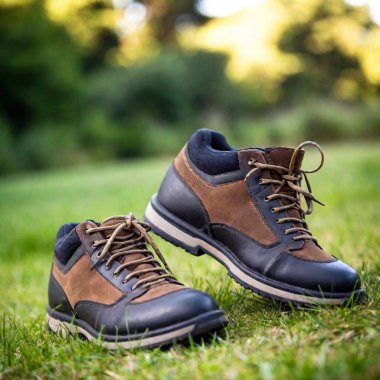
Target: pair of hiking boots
x,y
241,207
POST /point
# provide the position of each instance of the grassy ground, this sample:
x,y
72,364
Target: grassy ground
x,y
263,340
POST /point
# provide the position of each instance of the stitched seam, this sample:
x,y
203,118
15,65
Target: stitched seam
x,y
314,261
104,279
265,222
307,260
65,268
243,235
98,275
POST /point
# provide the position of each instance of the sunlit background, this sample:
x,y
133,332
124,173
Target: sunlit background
x,y
89,80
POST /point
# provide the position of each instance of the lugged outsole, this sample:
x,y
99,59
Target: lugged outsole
x,y
161,226
195,329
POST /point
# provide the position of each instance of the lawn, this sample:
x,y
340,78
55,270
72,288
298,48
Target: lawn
x,y
263,339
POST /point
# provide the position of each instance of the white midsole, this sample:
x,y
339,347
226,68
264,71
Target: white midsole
x,y
161,223
66,328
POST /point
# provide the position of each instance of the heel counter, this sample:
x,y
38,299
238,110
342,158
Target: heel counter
x,y
175,195
57,297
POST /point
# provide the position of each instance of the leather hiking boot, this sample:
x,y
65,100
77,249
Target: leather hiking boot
x,y
243,208
105,283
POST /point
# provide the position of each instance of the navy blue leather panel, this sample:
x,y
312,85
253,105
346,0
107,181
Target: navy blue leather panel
x,y
57,297
64,268
258,194
329,276
280,265
179,199
246,251
108,274
66,242
157,313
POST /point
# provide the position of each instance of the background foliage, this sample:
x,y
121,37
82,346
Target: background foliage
x,y
76,84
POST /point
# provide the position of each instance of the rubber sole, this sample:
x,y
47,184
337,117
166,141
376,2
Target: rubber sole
x,y
199,326
184,236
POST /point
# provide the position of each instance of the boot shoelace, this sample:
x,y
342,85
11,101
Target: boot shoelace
x,y
120,246
293,180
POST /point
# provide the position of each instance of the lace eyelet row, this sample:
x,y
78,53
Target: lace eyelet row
x,y
287,233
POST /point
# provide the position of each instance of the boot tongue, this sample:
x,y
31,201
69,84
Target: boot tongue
x,y
282,157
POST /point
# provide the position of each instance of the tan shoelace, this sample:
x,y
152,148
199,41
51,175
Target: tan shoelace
x,y
117,246
293,181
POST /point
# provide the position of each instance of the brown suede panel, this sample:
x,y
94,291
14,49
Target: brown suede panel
x,y
157,291
81,283
227,203
310,251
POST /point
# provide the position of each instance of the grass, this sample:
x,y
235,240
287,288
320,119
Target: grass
x,y
262,341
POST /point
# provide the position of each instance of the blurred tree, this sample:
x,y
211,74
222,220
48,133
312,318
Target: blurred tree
x,y
96,56
84,19
39,68
171,87
326,43
165,16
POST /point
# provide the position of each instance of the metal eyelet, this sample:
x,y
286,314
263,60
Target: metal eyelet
x,y
251,161
272,210
124,282
285,232
115,274
266,199
98,255
277,220
107,267
261,181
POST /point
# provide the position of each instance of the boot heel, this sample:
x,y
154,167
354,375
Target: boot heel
x,y
171,233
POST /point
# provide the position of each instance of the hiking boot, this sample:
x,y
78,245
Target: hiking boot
x,y
243,208
106,283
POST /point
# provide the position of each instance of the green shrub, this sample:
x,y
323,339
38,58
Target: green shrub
x,y
8,158
49,146
323,121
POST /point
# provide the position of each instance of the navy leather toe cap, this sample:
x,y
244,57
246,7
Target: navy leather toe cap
x,y
333,276
123,318
170,309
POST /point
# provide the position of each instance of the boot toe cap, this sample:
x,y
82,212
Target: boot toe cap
x,y
168,310
333,276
